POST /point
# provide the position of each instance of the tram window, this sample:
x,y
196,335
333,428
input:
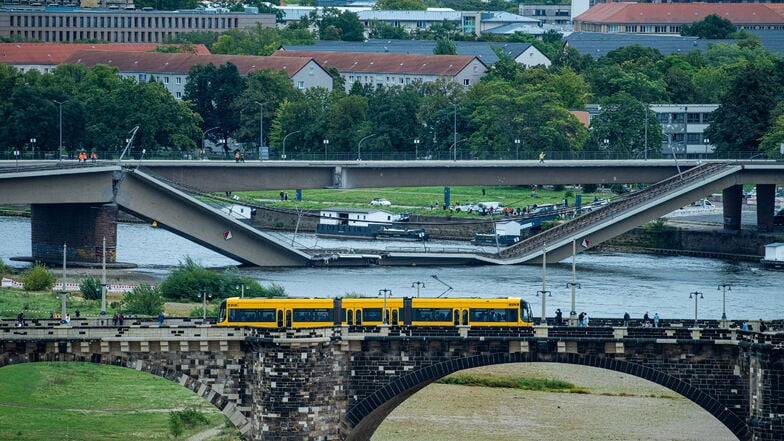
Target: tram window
x,y
431,314
525,311
372,314
311,315
252,315
342,315
493,315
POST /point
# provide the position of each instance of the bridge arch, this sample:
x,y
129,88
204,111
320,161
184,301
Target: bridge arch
x,y
203,390
364,417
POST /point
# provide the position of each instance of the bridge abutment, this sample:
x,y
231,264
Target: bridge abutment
x,y
732,201
81,227
766,206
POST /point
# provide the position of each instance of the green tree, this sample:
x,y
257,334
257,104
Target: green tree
x,y
189,280
38,278
346,122
392,116
445,47
90,288
743,116
270,88
629,127
143,300
711,27
211,92
337,25
773,140
382,30
400,5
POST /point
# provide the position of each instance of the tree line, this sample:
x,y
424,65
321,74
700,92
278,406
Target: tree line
x,y
512,102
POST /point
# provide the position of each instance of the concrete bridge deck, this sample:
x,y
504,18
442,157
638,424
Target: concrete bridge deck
x,y
149,197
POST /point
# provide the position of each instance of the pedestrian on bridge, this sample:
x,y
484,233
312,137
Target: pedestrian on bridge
x,y
626,318
656,320
160,318
541,157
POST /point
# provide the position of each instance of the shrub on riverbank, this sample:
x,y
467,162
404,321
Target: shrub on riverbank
x,y
90,288
38,278
143,300
189,280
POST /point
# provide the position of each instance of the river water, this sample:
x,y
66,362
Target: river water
x,y
610,283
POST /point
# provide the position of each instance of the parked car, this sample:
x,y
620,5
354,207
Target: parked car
x,y
380,202
778,218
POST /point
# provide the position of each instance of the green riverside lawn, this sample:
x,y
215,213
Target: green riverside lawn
x,y
82,401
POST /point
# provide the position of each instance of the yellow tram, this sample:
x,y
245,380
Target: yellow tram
x,y
317,312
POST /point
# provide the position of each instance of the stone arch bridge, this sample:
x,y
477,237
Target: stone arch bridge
x,y
340,383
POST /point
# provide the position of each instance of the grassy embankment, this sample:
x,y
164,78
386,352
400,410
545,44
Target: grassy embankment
x,y
82,401
418,200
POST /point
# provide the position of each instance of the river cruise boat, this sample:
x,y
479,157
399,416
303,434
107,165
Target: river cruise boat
x,y
370,224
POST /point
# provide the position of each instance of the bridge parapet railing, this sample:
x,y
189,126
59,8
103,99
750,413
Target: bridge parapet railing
x,y
622,204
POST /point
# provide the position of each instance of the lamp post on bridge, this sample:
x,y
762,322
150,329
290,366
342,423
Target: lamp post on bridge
x,y
416,148
204,304
418,285
326,144
697,295
544,292
359,146
203,142
517,149
724,287
60,103
385,293
261,127
573,284
283,155
32,144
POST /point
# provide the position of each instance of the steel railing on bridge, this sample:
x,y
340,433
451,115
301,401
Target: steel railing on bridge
x,y
622,204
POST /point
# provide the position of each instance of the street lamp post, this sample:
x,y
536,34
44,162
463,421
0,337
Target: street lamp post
x,y
454,131
724,287
326,144
32,143
359,146
60,103
418,285
241,287
544,292
697,295
416,148
573,284
203,141
517,148
204,305
606,143
261,126
16,156
283,155
385,293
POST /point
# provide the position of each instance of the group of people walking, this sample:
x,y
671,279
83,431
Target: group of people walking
x,y
82,157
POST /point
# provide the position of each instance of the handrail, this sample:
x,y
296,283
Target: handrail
x,y
622,204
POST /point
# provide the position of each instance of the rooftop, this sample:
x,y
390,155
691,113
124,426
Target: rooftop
x,y
57,53
679,13
448,65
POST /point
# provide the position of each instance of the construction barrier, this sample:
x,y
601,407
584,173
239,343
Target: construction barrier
x,y
71,287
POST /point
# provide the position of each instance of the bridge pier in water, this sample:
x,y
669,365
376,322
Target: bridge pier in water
x,y
81,227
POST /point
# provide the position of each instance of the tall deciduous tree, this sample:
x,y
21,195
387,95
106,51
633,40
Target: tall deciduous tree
x,y
743,117
627,125
711,27
211,92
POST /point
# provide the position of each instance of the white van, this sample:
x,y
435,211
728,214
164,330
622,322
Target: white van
x,y
485,207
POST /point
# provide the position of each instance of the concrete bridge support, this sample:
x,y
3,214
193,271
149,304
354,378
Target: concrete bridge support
x,y
81,227
766,205
732,198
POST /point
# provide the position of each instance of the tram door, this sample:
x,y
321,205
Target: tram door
x,y
456,317
394,316
350,313
280,318
288,318
359,317
465,317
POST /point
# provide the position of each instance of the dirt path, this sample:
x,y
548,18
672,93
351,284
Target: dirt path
x,y
207,434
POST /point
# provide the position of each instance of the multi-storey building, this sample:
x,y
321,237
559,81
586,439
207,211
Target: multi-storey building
x,y
547,13
118,25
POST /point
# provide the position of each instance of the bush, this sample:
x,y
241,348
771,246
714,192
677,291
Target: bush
x,y
589,188
179,420
189,279
38,278
90,288
143,300
4,269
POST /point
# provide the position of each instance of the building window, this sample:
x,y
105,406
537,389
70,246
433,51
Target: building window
x,y
300,84
694,118
179,95
165,80
466,82
178,80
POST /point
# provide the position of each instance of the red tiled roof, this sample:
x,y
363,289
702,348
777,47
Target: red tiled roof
x,y
57,53
447,65
778,8
679,13
159,62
